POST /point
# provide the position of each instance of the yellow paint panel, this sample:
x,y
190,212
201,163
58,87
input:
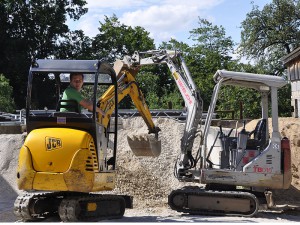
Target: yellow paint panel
x,y
77,178
25,172
104,181
49,182
53,149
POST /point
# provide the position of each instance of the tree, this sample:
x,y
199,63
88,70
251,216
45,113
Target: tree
x,y
272,32
268,35
116,40
211,52
232,98
74,45
31,29
212,38
6,101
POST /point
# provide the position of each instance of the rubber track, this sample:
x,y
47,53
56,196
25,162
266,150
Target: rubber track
x,y
72,209
186,191
24,203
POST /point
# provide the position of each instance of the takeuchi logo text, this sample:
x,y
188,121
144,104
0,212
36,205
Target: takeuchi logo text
x,y
257,169
184,92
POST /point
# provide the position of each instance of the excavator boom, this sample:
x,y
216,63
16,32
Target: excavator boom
x,y
191,96
140,144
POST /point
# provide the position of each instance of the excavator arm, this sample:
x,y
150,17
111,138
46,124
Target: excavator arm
x,y
126,71
141,144
191,97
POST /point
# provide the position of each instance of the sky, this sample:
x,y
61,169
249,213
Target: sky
x,y
166,19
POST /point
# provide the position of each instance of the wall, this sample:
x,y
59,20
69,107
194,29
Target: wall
x,y
295,98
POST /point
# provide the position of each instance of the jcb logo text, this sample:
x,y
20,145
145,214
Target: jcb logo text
x,y
53,143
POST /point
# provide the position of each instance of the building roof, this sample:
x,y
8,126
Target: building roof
x,y
291,56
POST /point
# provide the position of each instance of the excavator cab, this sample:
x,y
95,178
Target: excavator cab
x,y
98,76
68,155
247,147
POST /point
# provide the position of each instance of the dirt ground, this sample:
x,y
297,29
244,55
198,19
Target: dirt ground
x,y
150,180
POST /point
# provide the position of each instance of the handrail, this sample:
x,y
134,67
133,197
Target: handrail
x,y
178,114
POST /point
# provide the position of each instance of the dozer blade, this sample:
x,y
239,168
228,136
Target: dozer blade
x,y
144,145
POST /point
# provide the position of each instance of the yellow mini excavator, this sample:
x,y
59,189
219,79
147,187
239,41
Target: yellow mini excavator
x,y
69,157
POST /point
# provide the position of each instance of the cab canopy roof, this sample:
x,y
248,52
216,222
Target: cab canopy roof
x,y
69,66
260,82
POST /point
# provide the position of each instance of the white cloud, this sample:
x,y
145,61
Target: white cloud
x,y
163,19
113,4
201,4
90,24
169,18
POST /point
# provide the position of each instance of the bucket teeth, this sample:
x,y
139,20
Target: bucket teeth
x,y
144,145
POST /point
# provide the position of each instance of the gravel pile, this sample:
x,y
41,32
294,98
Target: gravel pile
x,y
149,179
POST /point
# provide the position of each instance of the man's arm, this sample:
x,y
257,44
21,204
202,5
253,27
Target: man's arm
x,y
89,105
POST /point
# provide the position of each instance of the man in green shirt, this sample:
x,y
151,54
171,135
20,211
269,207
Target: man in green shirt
x,y
72,92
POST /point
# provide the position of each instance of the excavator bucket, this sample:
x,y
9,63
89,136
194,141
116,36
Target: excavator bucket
x,y
144,145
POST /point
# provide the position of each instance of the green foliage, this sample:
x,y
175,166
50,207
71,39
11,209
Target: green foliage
x,y
272,32
174,98
74,45
244,102
153,101
116,40
173,44
6,101
159,94
212,38
284,101
154,82
148,81
30,29
268,35
36,28
210,52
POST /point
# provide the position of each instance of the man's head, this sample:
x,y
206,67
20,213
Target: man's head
x,y
76,80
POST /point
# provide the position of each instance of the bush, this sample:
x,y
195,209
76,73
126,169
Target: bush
x,y
7,103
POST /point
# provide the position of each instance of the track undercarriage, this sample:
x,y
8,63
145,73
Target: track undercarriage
x,y
199,201
71,206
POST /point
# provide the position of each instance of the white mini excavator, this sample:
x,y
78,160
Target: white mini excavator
x,y
249,165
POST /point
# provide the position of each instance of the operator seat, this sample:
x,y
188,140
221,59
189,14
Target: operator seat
x,y
71,105
259,134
